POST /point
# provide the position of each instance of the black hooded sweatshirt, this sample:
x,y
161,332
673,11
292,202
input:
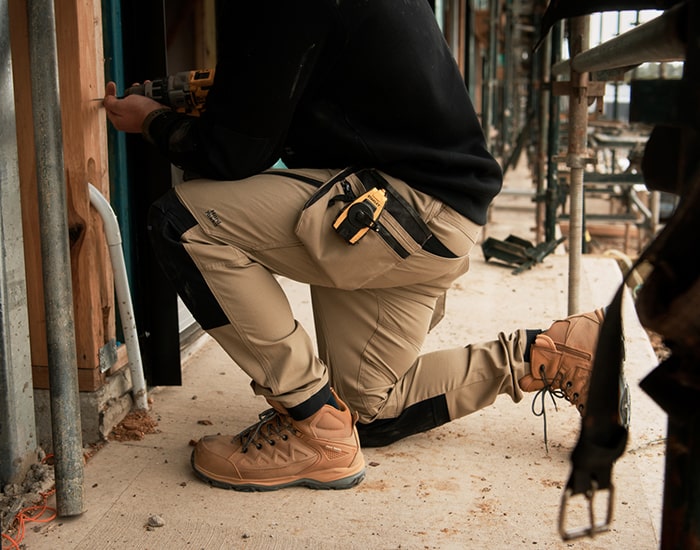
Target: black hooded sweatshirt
x,y
332,84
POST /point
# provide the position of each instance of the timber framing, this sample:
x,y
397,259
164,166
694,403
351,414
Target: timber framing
x,y
81,77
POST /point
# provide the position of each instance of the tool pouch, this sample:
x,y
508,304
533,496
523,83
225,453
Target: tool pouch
x,y
354,251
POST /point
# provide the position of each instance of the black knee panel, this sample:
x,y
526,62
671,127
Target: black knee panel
x,y
168,220
420,417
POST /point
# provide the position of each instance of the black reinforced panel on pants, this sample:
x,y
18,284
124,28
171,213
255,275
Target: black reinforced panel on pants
x,y
168,221
420,417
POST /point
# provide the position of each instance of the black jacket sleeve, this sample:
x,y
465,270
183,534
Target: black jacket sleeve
x,y
267,52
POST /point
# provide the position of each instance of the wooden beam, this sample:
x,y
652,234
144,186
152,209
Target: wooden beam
x,y
88,379
205,34
81,76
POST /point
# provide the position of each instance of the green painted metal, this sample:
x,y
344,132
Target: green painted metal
x,y
119,187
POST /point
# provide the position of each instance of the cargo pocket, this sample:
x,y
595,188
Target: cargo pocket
x,y
382,247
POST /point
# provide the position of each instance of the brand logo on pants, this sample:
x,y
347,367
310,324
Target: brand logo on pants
x,y
213,217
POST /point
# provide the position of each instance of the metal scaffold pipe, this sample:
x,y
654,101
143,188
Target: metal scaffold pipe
x,y
576,157
55,250
658,40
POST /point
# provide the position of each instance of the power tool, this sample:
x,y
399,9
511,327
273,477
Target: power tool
x,y
185,92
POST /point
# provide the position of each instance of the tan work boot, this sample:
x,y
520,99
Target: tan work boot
x,y
561,358
321,452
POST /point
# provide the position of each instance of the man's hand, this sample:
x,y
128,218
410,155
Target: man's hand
x,y
127,114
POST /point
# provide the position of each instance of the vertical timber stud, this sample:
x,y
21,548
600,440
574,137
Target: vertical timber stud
x,y
81,70
17,423
80,66
58,296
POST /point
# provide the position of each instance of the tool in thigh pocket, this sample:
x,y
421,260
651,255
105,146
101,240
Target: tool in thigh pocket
x,y
355,220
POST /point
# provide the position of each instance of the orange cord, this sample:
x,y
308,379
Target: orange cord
x,y
27,516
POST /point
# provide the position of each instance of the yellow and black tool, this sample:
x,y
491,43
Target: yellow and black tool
x,y
361,215
185,92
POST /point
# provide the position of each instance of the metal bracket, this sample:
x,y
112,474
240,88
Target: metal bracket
x,y
107,355
574,161
594,88
515,250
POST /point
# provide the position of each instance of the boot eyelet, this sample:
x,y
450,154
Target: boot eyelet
x,y
258,446
285,437
569,384
575,395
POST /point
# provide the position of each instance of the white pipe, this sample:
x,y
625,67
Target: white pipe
x,y
121,284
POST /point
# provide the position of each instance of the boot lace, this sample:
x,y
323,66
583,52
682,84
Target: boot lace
x,y
271,425
540,396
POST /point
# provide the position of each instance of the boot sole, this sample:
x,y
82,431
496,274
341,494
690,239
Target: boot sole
x,y
338,484
625,403
624,396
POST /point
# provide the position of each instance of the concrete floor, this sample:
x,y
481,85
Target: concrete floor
x,y
484,481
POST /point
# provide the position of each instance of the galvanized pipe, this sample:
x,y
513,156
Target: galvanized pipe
x,y
544,76
55,250
17,423
576,157
489,95
658,40
471,58
553,145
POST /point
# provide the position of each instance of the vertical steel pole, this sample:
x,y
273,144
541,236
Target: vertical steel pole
x,y
491,66
576,157
509,112
553,144
544,76
55,250
17,423
472,53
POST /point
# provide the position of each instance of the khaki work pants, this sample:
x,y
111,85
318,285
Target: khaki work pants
x,y
372,307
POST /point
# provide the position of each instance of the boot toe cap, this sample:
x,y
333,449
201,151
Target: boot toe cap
x,y
211,457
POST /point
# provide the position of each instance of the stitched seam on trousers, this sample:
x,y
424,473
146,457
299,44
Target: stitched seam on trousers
x,y
395,329
364,364
242,336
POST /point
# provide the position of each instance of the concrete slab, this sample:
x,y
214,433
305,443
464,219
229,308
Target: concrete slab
x,y
481,481
484,481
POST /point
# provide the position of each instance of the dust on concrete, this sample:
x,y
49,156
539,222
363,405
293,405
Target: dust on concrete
x,y
134,427
16,497
40,480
